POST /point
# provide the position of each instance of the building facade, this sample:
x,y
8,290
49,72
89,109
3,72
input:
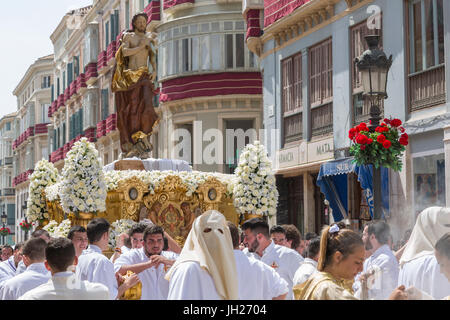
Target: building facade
x,y
207,79
7,191
313,96
31,142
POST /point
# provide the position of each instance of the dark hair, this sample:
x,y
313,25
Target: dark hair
x,y
310,236
135,17
344,241
277,229
313,248
166,244
138,228
35,249
443,245
96,228
18,246
381,230
40,232
234,234
257,225
292,234
60,254
75,229
153,229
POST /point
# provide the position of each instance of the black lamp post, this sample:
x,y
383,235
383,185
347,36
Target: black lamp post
x,y
374,66
4,220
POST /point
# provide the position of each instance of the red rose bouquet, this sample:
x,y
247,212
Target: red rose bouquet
x,y
25,226
5,231
382,148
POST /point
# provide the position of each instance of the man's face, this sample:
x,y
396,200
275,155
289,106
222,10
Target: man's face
x,y
251,240
141,24
154,244
18,255
444,264
279,238
6,253
137,240
366,239
80,242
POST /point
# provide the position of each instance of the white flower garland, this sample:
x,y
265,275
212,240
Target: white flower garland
x,y
83,187
52,192
58,230
255,190
117,228
45,174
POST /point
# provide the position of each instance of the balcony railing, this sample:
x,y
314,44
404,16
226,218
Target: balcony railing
x,y
293,128
427,88
322,119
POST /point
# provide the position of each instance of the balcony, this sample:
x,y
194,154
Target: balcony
x,y
111,52
427,88
111,123
154,14
21,178
101,129
41,128
91,73
171,6
102,61
80,83
322,119
8,192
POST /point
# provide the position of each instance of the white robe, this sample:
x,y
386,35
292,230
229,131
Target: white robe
x,y
308,268
285,261
65,286
424,274
191,282
7,270
385,281
256,280
154,286
35,275
93,266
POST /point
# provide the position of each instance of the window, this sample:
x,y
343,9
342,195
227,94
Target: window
x,y
239,133
45,82
127,14
426,34
321,87
8,126
361,106
292,97
107,30
44,113
426,51
105,104
234,51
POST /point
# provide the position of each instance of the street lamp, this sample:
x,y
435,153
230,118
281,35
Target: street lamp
x,y
4,220
374,66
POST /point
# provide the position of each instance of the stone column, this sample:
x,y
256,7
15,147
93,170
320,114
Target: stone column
x,y
309,203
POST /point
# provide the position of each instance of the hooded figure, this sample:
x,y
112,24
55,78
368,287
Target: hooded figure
x,y
206,267
418,265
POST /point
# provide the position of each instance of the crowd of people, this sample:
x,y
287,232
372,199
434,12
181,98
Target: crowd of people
x,y
222,261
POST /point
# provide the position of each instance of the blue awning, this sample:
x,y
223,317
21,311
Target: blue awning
x,y
332,181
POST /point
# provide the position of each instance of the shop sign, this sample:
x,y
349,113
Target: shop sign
x,y
321,150
288,157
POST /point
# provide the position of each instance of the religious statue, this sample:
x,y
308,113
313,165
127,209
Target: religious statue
x,y
132,84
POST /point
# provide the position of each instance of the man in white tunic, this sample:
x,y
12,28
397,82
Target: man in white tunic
x,y
41,233
256,280
35,274
309,265
78,236
206,268
63,285
150,263
8,268
93,266
418,265
285,261
381,268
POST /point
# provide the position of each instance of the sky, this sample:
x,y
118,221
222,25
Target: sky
x,y
26,28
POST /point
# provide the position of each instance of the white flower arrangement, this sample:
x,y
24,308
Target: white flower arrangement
x,y
45,174
58,230
117,228
83,187
52,192
255,190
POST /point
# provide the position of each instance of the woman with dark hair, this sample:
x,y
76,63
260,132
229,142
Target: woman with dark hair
x,y
341,258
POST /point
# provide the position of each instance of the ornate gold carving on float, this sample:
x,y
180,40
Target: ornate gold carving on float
x,y
168,206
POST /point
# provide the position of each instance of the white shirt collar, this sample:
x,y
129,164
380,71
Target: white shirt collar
x,y
37,267
63,274
95,248
383,249
311,261
269,248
